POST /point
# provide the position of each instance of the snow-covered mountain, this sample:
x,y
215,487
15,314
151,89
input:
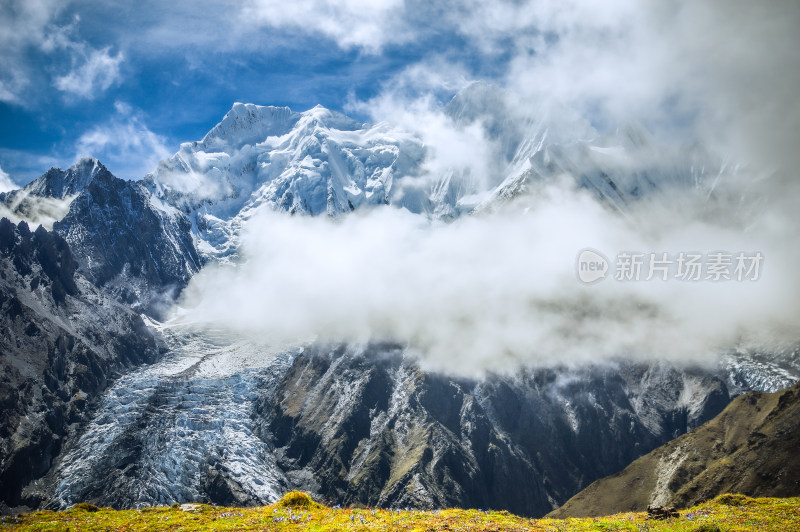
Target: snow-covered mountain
x,y
545,140
619,167
57,183
320,162
47,199
138,248
228,421
132,244
315,162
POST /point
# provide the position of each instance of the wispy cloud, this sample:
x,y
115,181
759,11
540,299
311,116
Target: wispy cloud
x,y
94,72
6,183
22,27
124,143
367,24
34,45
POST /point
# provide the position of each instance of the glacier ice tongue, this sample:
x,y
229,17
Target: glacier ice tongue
x,y
165,433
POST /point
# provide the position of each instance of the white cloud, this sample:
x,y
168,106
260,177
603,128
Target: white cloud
x,y
11,89
124,144
723,72
30,38
488,293
96,73
22,26
6,182
368,24
412,101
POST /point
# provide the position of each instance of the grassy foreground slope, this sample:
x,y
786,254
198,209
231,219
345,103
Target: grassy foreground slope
x,y
297,512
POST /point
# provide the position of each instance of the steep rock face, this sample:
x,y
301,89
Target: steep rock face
x,y
27,250
126,241
62,342
129,243
365,426
57,183
750,448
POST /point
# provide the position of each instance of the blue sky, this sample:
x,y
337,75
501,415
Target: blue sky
x,y
127,82
75,70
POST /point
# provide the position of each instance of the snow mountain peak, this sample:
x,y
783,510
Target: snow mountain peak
x,y
58,183
314,162
47,198
321,161
245,124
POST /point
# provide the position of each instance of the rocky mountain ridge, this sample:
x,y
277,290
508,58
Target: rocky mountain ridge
x,y
134,246
366,426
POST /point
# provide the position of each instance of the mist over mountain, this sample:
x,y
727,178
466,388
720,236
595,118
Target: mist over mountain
x,y
48,198
473,359
473,273
382,303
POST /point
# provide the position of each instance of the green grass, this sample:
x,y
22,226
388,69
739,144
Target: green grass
x,y
296,511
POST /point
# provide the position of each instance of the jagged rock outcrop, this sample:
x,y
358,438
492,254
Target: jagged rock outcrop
x,y
58,183
62,342
750,448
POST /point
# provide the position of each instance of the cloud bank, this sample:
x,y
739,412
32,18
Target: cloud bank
x,y
492,292
497,290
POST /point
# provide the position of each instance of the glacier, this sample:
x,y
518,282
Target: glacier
x,y
161,431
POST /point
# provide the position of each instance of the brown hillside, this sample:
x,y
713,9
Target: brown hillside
x,y
752,447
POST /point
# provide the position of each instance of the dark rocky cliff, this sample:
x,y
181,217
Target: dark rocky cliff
x,y
138,251
363,426
62,342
